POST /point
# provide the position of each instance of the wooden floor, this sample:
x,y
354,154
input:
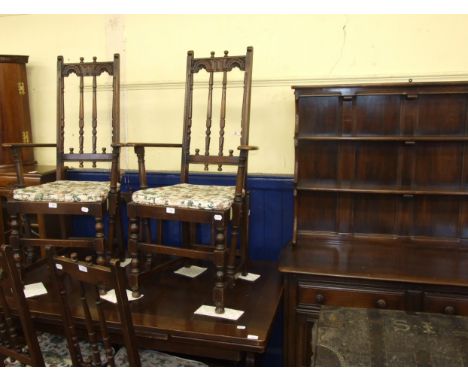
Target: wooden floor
x,y
164,318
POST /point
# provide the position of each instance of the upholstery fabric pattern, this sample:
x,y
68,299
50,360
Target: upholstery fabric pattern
x,y
152,358
54,350
64,191
187,196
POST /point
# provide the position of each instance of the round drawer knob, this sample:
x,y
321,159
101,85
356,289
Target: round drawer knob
x,y
381,303
319,298
449,309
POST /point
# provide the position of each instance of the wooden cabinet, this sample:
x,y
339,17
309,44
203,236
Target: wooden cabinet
x,y
381,203
15,119
15,126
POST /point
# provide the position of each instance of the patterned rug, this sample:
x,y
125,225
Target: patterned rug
x,y
55,352
377,337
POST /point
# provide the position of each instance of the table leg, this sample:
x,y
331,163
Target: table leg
x,y
2,222
250,359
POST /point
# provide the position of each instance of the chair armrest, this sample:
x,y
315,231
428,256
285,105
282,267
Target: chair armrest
x,y
21,145
139,148
17,157
247,147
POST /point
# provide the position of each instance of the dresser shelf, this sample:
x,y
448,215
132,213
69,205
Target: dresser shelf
x,y
363,188
408,139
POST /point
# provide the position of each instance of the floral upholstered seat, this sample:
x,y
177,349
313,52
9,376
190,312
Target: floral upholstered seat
x,y
152,358
64,191
54,349
186,195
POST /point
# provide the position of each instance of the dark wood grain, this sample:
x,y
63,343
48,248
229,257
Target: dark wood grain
x,y
164,317
377,261
15,119
380,203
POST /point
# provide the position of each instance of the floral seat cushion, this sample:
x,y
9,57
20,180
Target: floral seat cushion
x,y
152,358
64,191
54,350
187,196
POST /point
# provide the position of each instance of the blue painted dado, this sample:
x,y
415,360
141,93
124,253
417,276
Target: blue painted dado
x,y
271,205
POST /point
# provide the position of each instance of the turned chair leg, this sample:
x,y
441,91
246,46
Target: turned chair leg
x,y
14,241
25,223
134,231
100,247
219,259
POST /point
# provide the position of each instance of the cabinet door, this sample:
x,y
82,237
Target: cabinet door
x,y
15,120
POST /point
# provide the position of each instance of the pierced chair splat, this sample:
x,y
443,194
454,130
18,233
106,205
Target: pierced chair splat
x,y
218,206
63,197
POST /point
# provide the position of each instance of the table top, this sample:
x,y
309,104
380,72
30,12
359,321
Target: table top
x,y
164,317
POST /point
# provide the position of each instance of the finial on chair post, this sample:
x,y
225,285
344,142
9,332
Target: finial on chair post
x,y
226,53
81,60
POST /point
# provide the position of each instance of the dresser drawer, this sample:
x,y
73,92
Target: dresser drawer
x,y
446,303
360,298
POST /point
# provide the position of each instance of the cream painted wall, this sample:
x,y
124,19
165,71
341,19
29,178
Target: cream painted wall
x,y
289,49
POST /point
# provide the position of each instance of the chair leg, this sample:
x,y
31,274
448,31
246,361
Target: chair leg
x,y
231,266
193,234
133,231
185,234
3,330
110,238
119,235
27,232
244,246
109,247
100,248
219,259
114,240
64,227
14,241
187,237
147,239
159,231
